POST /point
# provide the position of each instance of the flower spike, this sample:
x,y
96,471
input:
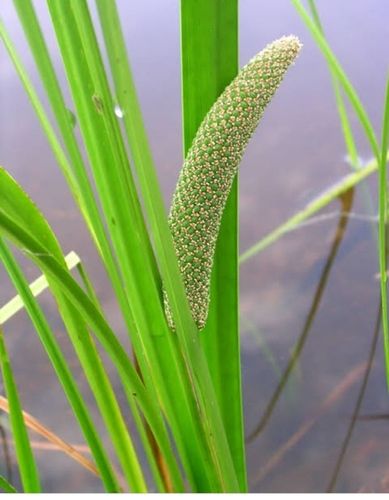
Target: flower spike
x,y
212,163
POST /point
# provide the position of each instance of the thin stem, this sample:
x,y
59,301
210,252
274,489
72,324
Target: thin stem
x,y
382,229
312,208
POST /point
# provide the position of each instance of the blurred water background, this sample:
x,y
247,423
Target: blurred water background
x,y
297,152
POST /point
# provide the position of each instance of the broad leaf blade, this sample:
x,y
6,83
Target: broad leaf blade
x,y
209,31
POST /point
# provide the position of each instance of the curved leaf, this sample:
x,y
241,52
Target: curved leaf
x,y
13,216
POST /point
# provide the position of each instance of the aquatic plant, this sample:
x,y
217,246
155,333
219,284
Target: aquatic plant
x,y
172,394
184,391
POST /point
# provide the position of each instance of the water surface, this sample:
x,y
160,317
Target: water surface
x,y
297,152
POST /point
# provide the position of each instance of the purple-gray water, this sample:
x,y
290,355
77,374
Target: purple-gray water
x,y
297,151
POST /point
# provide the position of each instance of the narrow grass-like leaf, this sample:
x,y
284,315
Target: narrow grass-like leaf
x,y
13,215
383,228
342,77
143,353
37,287
94,223
311,208
61,368
45,67
102,137
186,333
15,201
59,154
84,196
102,390
123,216
41,55
352,150
345,122
90,314
156,470
346,128
17,204
135,412
27,466
181,416
138,142
102,243
6,486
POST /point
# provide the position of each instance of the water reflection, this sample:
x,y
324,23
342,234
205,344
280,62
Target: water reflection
x,y
355,416
346,205
333,397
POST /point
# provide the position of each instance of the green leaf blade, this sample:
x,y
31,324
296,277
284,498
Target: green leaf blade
x,y
383,228
7,486
26,461
209,63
